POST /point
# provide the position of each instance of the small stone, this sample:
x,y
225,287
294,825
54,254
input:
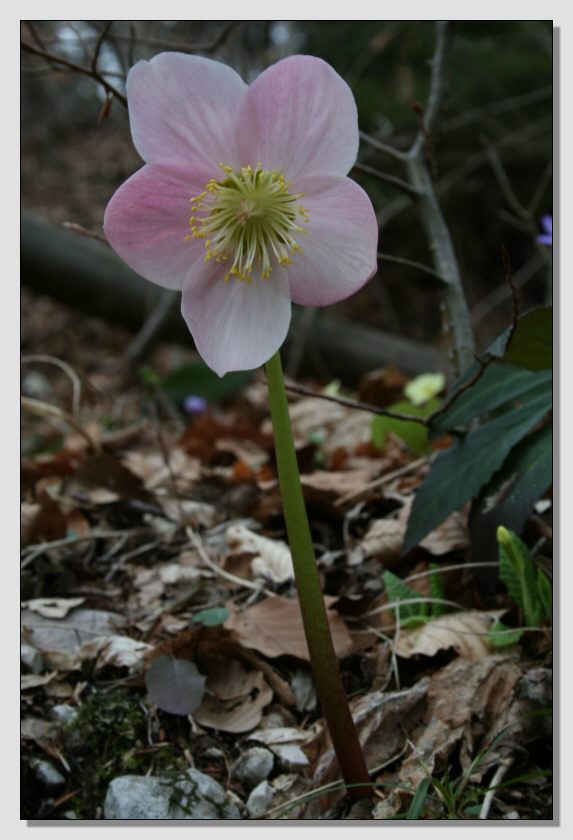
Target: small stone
x,y
63,713
254,766
194,796
31,659
259,800
47,774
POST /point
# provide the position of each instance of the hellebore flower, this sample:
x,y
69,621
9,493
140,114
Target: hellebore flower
x,y
546,238
243,203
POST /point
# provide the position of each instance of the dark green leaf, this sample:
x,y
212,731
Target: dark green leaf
x,y
417,802
531,345
458,474
500,385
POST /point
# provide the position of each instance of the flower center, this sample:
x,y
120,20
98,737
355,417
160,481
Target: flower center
x,y
250,218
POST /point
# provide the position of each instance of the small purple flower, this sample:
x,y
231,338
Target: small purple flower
x,y
194,405
546,238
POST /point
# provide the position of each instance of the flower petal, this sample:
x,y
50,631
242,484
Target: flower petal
x,y
339,253
147,220
236,325
185,108
302,118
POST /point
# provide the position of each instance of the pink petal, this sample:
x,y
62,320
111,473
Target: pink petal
x,y
339,252
185,108
236,325
147,220
302,118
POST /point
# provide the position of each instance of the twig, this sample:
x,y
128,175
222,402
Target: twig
x,y
70,65
99,45
68,370
392,180
425,269
504,766
200,549
390,151
140,344
355,404
92,234
378,482
44,409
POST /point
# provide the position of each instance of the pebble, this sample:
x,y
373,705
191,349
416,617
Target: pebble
x,y
31,659
254,766
259,800
47,774
63,713
194,796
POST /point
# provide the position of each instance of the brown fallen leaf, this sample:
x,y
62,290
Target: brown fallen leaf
x,y
465,632
69,633
274,627
236,696
273,559
468,702
383,720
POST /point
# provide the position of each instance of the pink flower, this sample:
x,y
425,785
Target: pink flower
x,y
243,203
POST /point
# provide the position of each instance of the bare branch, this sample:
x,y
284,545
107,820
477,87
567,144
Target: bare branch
x,y
390,151
439,81
99,45
392,180
355,404
425,269
70,65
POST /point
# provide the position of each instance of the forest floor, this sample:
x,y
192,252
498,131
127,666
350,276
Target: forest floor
x,y
151,535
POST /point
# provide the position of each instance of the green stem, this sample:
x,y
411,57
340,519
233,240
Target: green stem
x,y
322,656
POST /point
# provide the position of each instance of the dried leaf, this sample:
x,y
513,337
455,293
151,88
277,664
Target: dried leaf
x,y
81,625
53,607
236,697
274,627
465,632
119,651
175,685
273,560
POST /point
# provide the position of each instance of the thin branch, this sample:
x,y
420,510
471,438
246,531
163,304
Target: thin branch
x,y
425,269
392,180
438,82
99,45
358,406
92,234
390,151
70,65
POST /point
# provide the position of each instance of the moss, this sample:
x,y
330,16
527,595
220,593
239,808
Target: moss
x,y
103,742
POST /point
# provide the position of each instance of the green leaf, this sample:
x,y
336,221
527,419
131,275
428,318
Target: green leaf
x,y
397,590
211,617
418,800
523,479
201,381
437,591
499,635
413,434
527,585
500,385
531,345
458,474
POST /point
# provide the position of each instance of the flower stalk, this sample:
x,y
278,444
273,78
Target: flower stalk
x,y
322,656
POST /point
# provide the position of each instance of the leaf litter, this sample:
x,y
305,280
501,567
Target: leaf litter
x,y
204,637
